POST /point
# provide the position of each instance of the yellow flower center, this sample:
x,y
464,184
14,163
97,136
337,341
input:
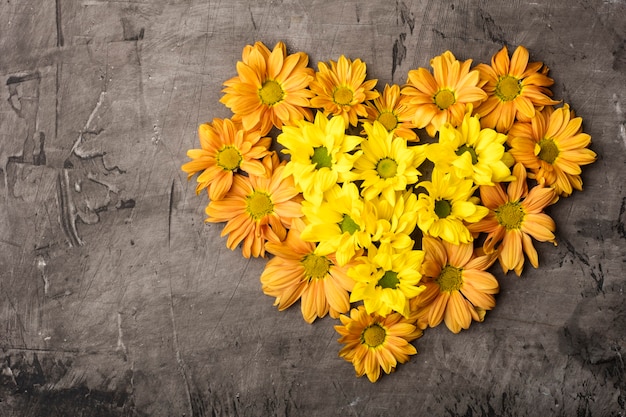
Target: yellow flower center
x,y
510,215
450,279
466,148
228,158
443,208
389,280
389,120
444,99
548,151
508,87
343,96
348,225
315,267
373,335
321,158
259,205
271,93
387,168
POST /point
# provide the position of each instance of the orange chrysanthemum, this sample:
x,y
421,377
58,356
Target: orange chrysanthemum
x,y
271,88
257,209
225,149
373,342
458,287
442,97
341,89
390,110
297,272
514,217
553,147
515,87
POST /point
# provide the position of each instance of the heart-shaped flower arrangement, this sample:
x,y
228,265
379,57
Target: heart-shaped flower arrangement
x,y
354,226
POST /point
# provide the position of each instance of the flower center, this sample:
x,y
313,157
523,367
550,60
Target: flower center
x,y
389,120
389,280
228,158
450,279
508,87
348,225
342,96
271,93
321,158
315,267
259,205
443,208
510,215
548,151
472,152
387,168
373,335
444,99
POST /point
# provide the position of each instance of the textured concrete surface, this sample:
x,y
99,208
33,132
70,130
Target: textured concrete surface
x,y
116,299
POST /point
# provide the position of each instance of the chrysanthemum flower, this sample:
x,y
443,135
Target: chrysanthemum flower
x,y
442,97
553,147
514,86
394,223
514,217
257,209
372,342
387,164
270,88
386,289
458,287
297,272
225,149
446,208
321,155
471,152
341,89
390,110
341,224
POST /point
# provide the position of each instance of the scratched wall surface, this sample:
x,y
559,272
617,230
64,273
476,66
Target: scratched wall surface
x,y
117,300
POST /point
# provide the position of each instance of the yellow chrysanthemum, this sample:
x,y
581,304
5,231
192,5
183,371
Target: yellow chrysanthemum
x,y
458,287
386,289
446,208
321,155
514,217
442,97
341,89
394,223
372,342
297,272
270,88
225,149
553,147
471,152
257,209
390,110
514,86
387,164
341,224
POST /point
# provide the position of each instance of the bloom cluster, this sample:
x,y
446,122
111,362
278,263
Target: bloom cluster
x,y
386,209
